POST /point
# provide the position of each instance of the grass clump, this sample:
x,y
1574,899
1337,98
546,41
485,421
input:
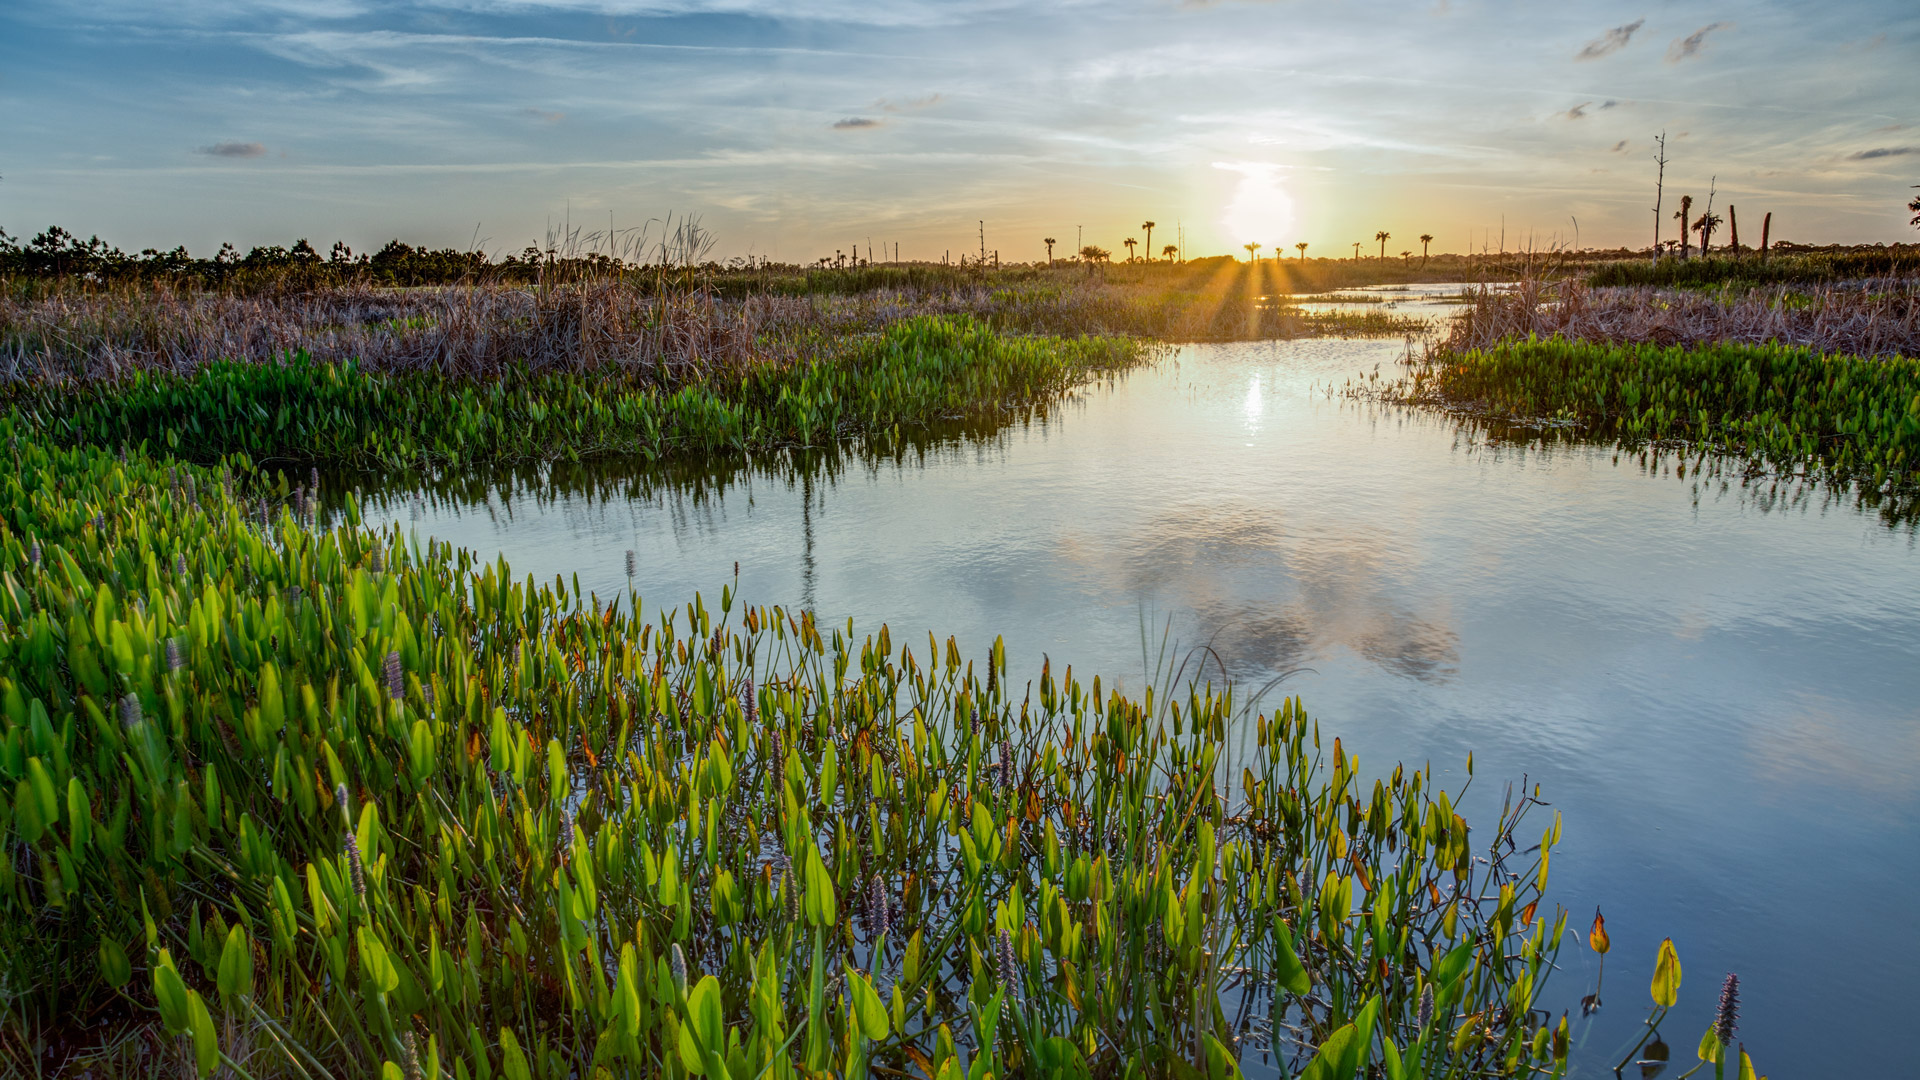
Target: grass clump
x,y
1852,418
1720,270
917,370
318,803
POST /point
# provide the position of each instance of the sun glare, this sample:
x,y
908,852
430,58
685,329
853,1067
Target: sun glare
x,y
1260,211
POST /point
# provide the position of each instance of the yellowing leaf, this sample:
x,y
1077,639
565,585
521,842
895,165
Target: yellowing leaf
x,y
1666,975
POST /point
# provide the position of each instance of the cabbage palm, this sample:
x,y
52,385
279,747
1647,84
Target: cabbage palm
x,y
1383,236
1148,225
1425,239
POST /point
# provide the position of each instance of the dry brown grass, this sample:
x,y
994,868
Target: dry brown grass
x,y
666,334
450,330
1862,318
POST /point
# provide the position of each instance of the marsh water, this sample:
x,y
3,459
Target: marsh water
x,y
1717,684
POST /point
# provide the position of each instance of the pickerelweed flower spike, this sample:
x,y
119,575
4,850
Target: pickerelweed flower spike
x,y
1426,1007
880,920
1726,1019
679,968
352,844
131,715
180,566
175,659
633,563
1009,965
396,684
409,1044
359,872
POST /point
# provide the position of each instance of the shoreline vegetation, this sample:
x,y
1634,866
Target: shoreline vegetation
x,y
322,803
1808,374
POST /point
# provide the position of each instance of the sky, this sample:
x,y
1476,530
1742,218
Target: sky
x,y
795,129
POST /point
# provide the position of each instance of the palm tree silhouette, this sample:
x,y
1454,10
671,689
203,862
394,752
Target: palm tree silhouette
x,y
1356,251
1170,251
1148,225
1425,239
1129,242
1050,241
1406,256
1251,249
1383,236
1302,245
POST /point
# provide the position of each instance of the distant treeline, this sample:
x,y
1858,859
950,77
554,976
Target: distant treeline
x,y
56,255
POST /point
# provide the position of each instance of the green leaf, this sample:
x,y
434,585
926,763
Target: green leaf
x,y
114,967
236,965
512,1061
1453,965
1711,1048
705,1016
1220,1062
206,1043
171,994
867,1006
1290,973
1333,1056
1666,975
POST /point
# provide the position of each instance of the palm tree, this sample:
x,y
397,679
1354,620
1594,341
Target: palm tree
x,y
1251,248
1383,236
1170,251
1425,239
1686,207
1356,251
1406,256
1129,242
1915,207
1050,241
1148,225
1302,245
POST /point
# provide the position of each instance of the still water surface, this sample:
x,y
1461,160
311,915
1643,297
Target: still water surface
x,y
1718,687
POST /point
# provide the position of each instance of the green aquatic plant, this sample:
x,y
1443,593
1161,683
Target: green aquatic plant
x,y
1850,418
432,818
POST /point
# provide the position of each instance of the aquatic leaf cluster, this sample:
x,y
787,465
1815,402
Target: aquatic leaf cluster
x,y
1783,407
333,804
918,370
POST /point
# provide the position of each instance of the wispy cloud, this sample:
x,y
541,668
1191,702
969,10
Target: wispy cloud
x,y
1619,147
233,150
545,116
1610,42
911,105
856,123
1883,152
1578,112
1694,42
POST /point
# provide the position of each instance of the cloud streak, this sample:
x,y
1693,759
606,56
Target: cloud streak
x,y
856,123
1610,42
1883,152
233,150
1691,45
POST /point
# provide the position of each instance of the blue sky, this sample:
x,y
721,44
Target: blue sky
x,y
801,127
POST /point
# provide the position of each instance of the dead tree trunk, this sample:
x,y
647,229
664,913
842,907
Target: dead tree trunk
x,y
1733,229
1766,226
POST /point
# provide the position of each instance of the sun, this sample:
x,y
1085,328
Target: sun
x,y
1260,210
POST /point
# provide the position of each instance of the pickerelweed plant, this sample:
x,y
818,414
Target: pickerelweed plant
x,y
321,803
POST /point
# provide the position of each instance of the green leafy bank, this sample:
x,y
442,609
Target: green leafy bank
x,y
917,370
1852,418
289,801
